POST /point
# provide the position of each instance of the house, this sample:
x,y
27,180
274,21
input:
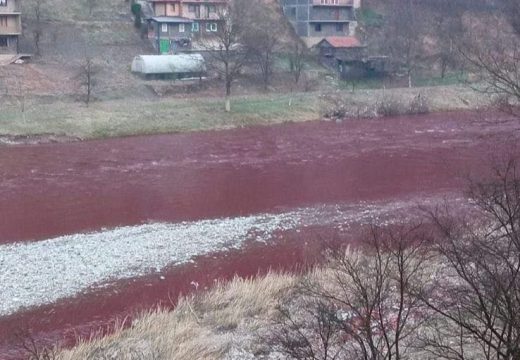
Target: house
x,y
348,57
10,26
170,34
168,30
313,20
176,23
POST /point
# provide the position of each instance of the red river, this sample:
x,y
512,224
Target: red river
x,y
59,189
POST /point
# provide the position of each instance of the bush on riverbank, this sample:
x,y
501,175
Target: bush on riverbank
x,y
336,106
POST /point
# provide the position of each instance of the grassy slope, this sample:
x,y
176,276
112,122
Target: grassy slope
x,y
124,118
215,325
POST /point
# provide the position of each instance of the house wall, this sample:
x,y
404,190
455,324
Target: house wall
x,y
8,45
202,11
177,40
206,28
328,29
173,31
10,24
167,9
304,16
10,27
11,6
331,13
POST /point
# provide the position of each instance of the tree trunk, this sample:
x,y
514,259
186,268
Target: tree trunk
x,y
228,95
444,67
410,79
228,104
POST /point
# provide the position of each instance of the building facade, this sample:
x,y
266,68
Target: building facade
x,y
205,15
177,23
10,26
321,18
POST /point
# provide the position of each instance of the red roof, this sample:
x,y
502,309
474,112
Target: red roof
x,y
343,41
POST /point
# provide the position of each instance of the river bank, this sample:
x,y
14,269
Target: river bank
x,y
32,122
141,220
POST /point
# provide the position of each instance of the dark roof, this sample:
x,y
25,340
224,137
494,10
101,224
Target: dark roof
x,y
171,19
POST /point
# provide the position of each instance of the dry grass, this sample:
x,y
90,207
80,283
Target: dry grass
x,y
209,326
137,116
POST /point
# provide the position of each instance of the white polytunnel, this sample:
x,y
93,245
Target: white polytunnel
x,y
169,64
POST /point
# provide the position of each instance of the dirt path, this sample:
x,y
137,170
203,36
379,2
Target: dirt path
x,y
189,196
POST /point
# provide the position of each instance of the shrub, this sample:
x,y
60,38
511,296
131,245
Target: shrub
x,y
389,106
419,105
333,107
136,9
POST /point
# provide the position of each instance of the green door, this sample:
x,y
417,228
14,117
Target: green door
x,y
164,46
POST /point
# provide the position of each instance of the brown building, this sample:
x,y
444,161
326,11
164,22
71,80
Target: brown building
x,y
349,58
177,22
315,19
10,26
205,15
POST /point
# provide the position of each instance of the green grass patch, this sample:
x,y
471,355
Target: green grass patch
x,y
370,18
363,84
448,79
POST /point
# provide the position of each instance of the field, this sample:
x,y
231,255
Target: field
x,y
65,120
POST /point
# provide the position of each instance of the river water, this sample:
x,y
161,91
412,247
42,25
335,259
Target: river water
x,y
316,177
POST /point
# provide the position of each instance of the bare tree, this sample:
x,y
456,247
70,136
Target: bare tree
x,y
297,57
363,307
262,37
91,5
511,9
226,55
404,35
87,77
21,93
32,350
495,55
476,293
446,22
38,9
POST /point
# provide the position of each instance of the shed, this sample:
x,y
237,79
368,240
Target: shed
x,y
169,66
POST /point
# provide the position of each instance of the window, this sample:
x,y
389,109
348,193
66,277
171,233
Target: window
x,y
164,28
182,28
172,7
339,27
3,42
3,3
3,21
191,8
195,27
317,27
212,9
211,27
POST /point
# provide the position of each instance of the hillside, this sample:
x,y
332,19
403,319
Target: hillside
x,y
68,33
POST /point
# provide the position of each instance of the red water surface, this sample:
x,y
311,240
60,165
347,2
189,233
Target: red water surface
x,y
51,190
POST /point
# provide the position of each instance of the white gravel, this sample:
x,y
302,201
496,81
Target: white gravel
x,y
43,272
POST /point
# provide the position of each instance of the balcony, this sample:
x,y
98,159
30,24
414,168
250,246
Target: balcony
x,y
332,3
10,24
